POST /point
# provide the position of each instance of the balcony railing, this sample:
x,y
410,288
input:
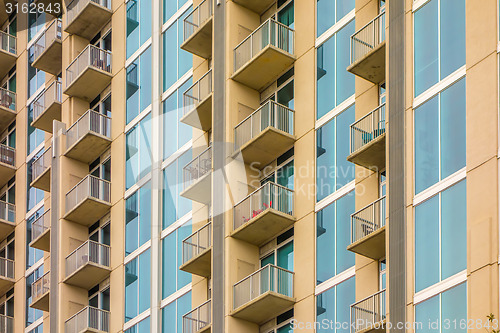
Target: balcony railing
x,y
271,114
8,99
91,121
91,56
198,167
6,324
88,252
368,38
88,319
270,32
76,6
52,94
6,268
40,225
88,187
368,128
269,195
7,155
8,43
40,287
367,220
7,211
268,278
198,318
198,16
42,163
368,312
197,242
197,92
52,33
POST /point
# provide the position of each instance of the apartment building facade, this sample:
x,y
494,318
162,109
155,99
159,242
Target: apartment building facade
x,y
249,166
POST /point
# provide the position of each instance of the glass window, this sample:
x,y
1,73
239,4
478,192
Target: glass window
x,y
330,12
137,285
170,7
175,134
34,195
332,148
440,134
138,24
32,255
32,314
142,326
36,77
138,219
138,152
36,21
35,136
175,63
439,41
139,85
173,312
333,235
173,278
441,236
335,304
38,329
334,84
175,206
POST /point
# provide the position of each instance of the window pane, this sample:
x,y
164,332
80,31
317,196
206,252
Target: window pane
x,y
169,264
344,169
345,80
325,77
325,244
345,207
144,281
183,278
285,257
454,307
325,160
452,46
169,57
345,297
426,312
325,308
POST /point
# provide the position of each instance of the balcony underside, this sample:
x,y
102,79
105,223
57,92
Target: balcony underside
x,y
88,211
6,228
91,330
264,307
264,68
379,324
6,172
200,116
6,115
88,148
50,60
42,242
88,275
266,147
257,6
201,190
42,182
89,21
5,284
200,42
90,83
45,120
372,66
263,227
371,246
206,329
371,155
7,60
42,302
200,265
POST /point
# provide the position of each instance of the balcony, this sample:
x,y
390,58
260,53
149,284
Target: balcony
x,y
6,274
86,18
88,137
40,171
88,200
48,49
7,163
88,320
197,252
264,294
258,6
198,103
8,52
263,214
198,320
7,219
369,314
7,107
47,107
92,65
6,324
265,134
368,230
40,232
368,51
198,30
261,57
40,290
88,265
368,140
197,178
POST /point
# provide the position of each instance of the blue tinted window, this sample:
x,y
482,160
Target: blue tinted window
x,y
32,254
330,12
137,285
170,7
33,195
138,152
36,77
142,326
173,312
138,219
175,206
334,305
32,314
138,24
426,312
139,85
173,278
